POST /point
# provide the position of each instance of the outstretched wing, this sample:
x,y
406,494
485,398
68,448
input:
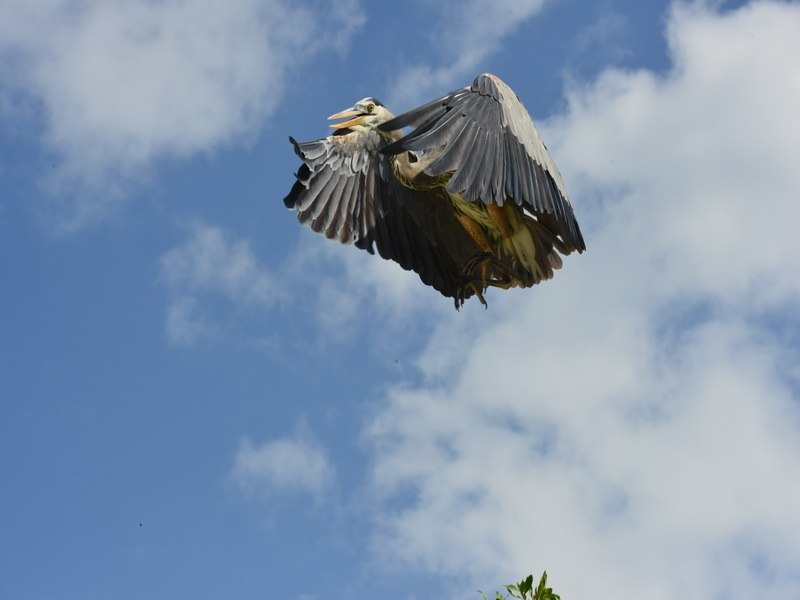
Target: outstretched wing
x,y
345,190
484,138
337,187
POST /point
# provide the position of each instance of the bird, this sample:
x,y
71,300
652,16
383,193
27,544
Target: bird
x,y
469,199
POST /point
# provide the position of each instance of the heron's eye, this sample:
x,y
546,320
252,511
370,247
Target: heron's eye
x,y
370,107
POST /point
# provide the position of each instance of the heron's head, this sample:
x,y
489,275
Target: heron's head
x,y
364,115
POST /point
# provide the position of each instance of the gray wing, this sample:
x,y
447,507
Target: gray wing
x,y
337,187
345,190
484,138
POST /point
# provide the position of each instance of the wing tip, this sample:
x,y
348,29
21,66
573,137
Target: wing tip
x,y
486,84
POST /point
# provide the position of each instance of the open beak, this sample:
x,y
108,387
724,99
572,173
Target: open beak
x,y
357,118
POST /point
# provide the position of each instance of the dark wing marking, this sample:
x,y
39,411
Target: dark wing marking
x,y
485,138
346,190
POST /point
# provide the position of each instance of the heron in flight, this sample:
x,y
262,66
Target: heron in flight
x,y
468,199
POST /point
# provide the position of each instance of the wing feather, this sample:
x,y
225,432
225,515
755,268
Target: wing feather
x,y
486,138
446,162
465,178
450,126
346,190
330,194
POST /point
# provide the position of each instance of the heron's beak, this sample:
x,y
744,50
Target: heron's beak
x,y
358,118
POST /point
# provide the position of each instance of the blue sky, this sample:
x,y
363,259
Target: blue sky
x,y
200,398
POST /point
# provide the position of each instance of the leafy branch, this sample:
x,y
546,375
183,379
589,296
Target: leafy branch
x,y
524,590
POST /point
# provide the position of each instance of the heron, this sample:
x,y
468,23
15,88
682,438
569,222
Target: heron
x,y
469,199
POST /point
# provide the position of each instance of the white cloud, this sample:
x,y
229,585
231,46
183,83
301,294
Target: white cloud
x,y
352,288
297,463
126,83
633,426
344,289
466,33
601,38
212,263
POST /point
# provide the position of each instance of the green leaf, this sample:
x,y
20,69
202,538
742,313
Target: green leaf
x,y
524,590
543,592
526,585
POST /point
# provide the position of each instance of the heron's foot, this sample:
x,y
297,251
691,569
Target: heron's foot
x,y
472,284
462,293
479,261
485,268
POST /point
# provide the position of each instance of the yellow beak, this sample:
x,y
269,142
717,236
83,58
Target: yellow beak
x,y
358,118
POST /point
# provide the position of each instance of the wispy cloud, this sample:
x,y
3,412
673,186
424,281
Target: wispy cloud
x,y
288,464
601,38
467,33
342,289
633,424
121,85
351,289
212,263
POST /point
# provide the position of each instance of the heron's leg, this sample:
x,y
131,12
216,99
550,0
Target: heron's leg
x,y
506,277
480,260
477,284
474,230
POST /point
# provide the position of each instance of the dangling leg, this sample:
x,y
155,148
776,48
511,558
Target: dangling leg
x,y
501,276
